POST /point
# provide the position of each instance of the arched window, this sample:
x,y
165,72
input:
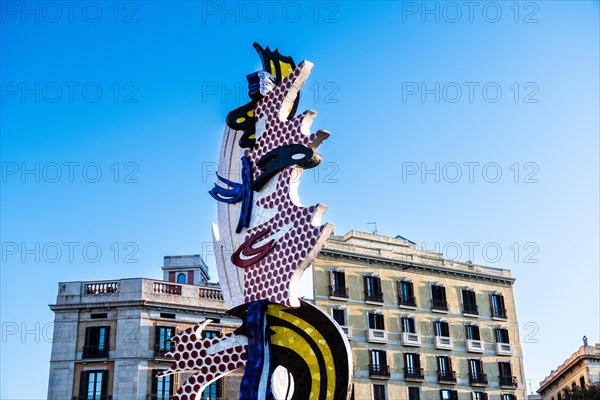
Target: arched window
x,y
181,278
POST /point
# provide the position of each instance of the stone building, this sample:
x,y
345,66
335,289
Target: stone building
x,y
421,327
581,369
111,337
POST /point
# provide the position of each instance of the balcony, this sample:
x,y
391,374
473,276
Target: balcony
x,y
439,305
504,349
443,343
411,339
101,288
470,309
377,336
498,313
379,371
475,346
376,297
413,374
161,350
448,377
95,351
410,302
338,292
508,381
478,379
348,331
166,288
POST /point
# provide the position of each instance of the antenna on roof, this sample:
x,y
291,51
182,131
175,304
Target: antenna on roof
x,y
375,229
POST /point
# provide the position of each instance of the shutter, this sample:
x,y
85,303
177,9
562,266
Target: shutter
x,y
190,277
157,338
171,276
366,281
377,285
443,293
383,355
154,381
417,359
107,340
501,302
104,387
449,364
411,292
88,336
342,278
83,378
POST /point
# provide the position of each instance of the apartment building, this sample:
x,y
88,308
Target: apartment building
x,y
582,368
421,327
111,337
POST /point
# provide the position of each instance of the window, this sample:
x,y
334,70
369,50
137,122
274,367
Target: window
x,y
408,325
181,278
339,315
378,392
476,375
438,298
446,394
506,378
441,328
502,336
497,306
376,321
472,332
96,342
582,382
509,396
406,294
93,385
210,334
164,334
338,284
373,289
559,397
162,386
469,302
480,396
413,393
445,373
214,390
412,366
378,365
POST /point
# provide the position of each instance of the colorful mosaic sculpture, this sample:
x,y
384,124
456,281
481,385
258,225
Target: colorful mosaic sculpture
x,y
264,241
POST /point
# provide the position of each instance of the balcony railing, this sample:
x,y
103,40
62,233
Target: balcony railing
x,y
413,373
411,339
470,309
376,297
475,346
347,330
478,379
446,376
379,370
101,288
438,304
443,342
508,381
166,288
161,350
410,301
498,312
504,349
341,292
95,351
377,336
210,294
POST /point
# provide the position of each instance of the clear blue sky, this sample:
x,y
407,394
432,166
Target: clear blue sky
x,y
146,96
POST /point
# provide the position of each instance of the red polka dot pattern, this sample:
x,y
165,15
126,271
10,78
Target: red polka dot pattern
x,y
210,358
270,278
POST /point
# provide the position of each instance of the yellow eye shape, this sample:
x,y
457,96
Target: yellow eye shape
x,y
252,137
251,113
240,120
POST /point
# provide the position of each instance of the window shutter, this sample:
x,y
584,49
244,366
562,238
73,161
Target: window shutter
x,y
107,340
366,281
171,276
104,390
190,277
83,378
155,381
383,358
157,337
411,291
449,364
88,336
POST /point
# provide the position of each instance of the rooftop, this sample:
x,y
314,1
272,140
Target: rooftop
x,y
582,353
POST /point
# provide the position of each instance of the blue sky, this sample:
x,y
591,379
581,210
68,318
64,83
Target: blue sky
x,y
118,109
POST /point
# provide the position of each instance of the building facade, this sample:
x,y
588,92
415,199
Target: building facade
x,y
111,337
581,369
421,327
